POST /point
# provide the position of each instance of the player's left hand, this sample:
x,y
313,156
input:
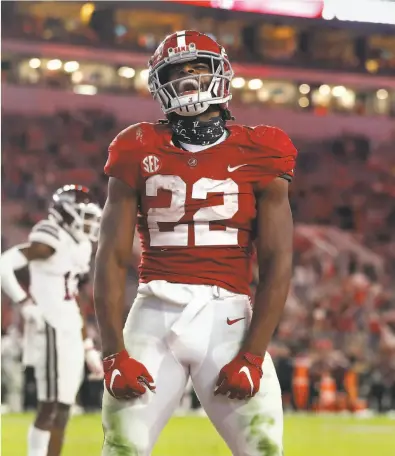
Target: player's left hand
x,y
93,358
241,377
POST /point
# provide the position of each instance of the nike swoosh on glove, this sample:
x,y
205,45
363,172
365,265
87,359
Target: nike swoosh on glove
x,y
93,359
241,377
125,378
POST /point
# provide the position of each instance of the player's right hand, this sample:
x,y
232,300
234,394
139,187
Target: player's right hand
x,y
126,378
31,314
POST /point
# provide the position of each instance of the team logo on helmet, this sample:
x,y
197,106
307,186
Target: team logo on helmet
x,y
151,164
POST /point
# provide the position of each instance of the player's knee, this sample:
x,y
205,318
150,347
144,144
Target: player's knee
x,y
46,415
62,415
125,438
262,437
117,444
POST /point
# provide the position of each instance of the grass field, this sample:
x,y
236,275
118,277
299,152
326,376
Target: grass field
x,y
195,436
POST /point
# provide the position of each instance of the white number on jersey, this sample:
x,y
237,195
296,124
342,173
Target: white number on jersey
x,y
202,218
205,215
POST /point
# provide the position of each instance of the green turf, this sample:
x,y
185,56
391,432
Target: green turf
x,y
194,436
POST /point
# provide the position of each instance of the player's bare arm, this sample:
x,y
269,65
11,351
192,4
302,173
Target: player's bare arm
x,y
37,251
112,262
124,377
18,257
274,251
92,356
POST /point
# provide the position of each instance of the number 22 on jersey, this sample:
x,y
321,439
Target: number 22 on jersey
x,y
202,218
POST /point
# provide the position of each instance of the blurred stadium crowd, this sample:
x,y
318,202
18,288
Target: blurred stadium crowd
x,y
335,346
260,42
279,43
340,315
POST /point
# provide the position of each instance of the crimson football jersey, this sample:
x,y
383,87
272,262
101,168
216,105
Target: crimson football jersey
x,y
197,210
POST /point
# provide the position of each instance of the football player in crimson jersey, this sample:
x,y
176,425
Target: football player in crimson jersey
x,y
200,192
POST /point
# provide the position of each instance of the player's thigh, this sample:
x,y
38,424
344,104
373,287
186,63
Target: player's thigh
x,y
59,365
134,426
70,365
45,365
251,427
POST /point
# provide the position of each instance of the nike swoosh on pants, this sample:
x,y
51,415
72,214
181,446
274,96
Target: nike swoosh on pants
x,y
232,322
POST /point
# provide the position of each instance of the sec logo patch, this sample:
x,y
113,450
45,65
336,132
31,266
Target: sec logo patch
x,y
151,164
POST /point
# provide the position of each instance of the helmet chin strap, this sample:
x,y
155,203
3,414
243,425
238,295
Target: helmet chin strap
x,y
192,131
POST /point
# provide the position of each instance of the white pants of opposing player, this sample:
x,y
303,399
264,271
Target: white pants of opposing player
x,y
178,331
57,356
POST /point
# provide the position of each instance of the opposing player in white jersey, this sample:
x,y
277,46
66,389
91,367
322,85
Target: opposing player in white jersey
x,y
58,255
200,192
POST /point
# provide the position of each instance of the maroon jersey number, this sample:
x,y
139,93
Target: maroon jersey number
x,y
70,286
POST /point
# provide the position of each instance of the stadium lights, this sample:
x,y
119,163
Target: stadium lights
x,y
255,84
85,89
144,75
371,11
126,72
303,102
70,67
54,64
238,83
304,89
86,12
263,95
35,63
382,94
339,91
324,90
77,77
372,66
348,99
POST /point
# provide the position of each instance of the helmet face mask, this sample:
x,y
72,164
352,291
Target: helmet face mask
x,y
210,88
76,211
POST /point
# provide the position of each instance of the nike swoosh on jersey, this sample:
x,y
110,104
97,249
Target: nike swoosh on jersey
x,y
231,169
246,371
114,375
232,322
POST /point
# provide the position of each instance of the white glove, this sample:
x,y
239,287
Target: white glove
x,y
93,359
32,315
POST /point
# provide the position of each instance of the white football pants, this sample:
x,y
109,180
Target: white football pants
x,y
178,331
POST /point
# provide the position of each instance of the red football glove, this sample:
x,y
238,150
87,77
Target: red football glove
x,y
126,378
241,377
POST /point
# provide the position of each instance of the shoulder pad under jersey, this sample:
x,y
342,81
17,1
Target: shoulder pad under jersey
x,y
275,146
125,152
46,232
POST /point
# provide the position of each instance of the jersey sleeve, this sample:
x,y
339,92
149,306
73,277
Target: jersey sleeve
x,y
123,162
45,232
276,155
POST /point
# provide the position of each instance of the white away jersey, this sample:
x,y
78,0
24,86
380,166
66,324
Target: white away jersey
x,y
54,281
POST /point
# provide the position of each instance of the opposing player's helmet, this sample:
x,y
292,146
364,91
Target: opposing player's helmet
x,y
76,210
186,46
